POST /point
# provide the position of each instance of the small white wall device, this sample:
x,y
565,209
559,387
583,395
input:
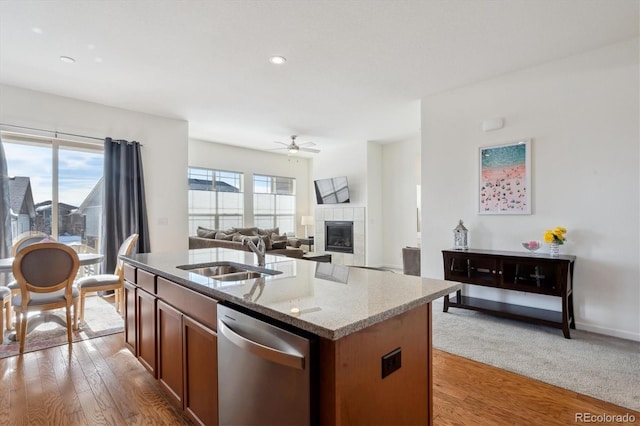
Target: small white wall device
x,y
493,124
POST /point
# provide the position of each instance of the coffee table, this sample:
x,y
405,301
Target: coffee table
x,y
308,241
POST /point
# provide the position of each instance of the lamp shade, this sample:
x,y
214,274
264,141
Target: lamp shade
x,y
307,220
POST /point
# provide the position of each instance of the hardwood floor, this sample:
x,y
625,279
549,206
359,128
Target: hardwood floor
x,y
97,382
100,382
467,392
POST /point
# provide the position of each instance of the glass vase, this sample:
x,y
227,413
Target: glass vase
x,y
554,249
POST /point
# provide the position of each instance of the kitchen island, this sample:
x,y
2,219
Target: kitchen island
x,y
371,330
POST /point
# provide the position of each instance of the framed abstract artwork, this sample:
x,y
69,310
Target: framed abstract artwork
x,y
505,178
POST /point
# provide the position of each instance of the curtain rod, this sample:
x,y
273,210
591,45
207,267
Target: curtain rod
x,y
55,132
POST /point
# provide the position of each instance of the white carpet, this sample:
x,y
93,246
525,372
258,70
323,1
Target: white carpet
x,y
603,367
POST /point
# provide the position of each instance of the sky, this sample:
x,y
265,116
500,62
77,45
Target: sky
x,y
79,171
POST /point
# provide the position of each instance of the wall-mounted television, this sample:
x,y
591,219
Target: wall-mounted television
x,y
332,190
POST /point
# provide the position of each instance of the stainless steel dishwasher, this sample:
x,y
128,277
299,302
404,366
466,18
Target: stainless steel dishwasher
x,y
264,372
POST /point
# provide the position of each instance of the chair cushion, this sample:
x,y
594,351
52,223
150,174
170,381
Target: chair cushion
x,y
44,298
98,281
13,285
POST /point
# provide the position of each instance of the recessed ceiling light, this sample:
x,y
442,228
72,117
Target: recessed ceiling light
x,y
37,30
67,59
91,46
277,60
98,60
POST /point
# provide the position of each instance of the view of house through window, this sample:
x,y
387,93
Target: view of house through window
x,y
274,202
216,199
55,187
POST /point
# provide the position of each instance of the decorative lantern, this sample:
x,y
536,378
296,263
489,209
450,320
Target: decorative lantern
x,y
460,237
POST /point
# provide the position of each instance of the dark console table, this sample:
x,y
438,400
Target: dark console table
x,y
528,272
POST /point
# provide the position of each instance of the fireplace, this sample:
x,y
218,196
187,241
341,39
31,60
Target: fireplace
x,y
338,236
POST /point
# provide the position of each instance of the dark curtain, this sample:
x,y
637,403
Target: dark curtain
x,y
125,210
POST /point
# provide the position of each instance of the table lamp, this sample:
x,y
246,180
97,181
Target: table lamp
x,y
306,221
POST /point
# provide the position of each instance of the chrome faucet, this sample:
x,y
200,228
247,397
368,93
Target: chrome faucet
x,y
258,284
260,250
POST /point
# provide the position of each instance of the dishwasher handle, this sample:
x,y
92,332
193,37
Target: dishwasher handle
x,y
275,355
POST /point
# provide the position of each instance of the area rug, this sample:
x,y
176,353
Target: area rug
x,y
101,319
603,367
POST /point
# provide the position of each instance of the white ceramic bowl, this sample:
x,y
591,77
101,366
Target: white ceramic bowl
x,y
532,245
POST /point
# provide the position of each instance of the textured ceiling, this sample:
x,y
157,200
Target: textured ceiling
x,y
355,69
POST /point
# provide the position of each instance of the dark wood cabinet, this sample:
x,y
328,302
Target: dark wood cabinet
x,y
172,331
130,317
188,364
200,351
146,329
170,358
532,273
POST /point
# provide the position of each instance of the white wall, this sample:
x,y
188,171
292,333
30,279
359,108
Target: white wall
x,y
164,152
361,162
582,114
249,161
374,214
350,160
382,178
400,175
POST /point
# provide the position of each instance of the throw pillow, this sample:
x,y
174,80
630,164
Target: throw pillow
x,y
278,241
251,231
294,242
278,245
206,232
269,231
224,236
239,238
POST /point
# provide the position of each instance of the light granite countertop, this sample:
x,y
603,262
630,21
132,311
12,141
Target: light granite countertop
x,y
328,300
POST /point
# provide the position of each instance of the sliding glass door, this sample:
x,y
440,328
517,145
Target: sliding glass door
x,y
55,188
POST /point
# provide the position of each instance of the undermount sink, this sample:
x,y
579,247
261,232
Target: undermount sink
x,y
229,271
238,276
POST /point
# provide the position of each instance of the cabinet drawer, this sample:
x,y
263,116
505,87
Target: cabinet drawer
x,y
130,273
191,303
146,281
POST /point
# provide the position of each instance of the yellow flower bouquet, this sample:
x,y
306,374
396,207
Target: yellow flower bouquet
x,y
556,235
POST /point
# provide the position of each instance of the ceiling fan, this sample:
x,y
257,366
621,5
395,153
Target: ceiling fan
x,y
294,148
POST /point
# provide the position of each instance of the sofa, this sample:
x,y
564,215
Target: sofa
x,y
232,238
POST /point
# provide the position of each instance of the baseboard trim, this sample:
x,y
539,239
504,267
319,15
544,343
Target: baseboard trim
x,y
622,334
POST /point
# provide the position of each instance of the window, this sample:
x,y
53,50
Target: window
x,y
216,200
274,202
55,187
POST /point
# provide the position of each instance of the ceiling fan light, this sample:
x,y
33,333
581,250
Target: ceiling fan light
x,y
293,149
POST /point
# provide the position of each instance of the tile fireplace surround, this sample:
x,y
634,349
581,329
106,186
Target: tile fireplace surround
x,y
355,214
